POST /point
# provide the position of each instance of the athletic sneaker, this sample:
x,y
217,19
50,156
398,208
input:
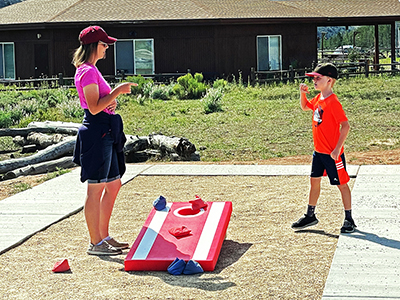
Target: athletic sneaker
x,y
305,221
117,245
103,249
348,226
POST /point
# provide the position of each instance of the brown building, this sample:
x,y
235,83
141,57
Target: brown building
x,y
215,37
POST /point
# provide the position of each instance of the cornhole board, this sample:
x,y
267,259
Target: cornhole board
x,y
155,248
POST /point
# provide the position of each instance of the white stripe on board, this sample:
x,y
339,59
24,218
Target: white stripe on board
x,y
151,233
209,230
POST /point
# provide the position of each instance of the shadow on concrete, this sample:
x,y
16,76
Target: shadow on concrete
x,y
372,237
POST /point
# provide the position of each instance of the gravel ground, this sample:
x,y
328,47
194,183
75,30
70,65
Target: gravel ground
x,y
261,258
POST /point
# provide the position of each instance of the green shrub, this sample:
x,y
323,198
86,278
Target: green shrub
x,y
212,100
147,88
193,87
220,83
184,80
5,119
72,109
52,101
162,91
198,77
141,82
354,55
179,91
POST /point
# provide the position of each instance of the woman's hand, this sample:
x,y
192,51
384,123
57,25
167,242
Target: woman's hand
x,y
124,88
96,105
112,106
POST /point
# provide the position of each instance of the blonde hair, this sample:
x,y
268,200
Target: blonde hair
x,y
333,82
83,54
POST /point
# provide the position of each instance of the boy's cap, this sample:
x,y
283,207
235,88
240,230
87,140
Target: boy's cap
x,y
94,34
326,69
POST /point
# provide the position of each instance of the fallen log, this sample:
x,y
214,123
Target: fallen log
x,y
42,127
56,125
41,168
136,143
29,149
41,140
25,131
52,152
136,149
181,146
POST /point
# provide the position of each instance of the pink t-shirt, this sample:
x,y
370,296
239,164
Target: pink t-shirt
x,y
88,74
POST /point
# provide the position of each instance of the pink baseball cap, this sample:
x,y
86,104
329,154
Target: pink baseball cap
x,y
94,34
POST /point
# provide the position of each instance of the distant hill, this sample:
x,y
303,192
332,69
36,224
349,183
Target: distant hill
x,y
332,31
8,2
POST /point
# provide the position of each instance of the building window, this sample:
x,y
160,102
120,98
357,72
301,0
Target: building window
x,y
135,56
269,53
7,62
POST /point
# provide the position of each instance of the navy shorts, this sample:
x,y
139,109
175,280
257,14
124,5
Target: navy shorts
x,y
110,172
324,164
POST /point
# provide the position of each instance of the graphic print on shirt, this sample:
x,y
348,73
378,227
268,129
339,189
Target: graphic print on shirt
x,y
318,115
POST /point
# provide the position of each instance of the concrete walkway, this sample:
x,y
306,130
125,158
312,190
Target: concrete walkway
x,y
365,265
26,213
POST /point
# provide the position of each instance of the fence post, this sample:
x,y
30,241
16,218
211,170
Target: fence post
x,y
366,68
291,73
60,79
252,75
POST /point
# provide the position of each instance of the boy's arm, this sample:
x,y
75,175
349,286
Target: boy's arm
x,y
303,96
344,131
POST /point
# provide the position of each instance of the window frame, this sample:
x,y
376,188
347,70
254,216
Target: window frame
x,y
4,62
133,41
269,47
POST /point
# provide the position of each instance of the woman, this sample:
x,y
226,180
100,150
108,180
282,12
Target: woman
x,y
100,140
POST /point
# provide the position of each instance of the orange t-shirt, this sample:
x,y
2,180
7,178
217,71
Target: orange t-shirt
x,y
328,114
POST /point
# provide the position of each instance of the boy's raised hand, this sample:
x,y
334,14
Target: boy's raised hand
x,y
304,88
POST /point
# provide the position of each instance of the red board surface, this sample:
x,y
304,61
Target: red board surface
x,y
155,247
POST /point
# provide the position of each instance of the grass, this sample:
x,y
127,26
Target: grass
x,y
54,174
264,121
20,187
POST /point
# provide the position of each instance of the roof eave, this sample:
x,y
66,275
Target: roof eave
x,y
319,21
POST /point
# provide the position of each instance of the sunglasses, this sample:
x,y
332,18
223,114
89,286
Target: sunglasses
x,y
103,44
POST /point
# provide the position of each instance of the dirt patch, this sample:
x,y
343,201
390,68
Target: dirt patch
x,y
261,258
16,185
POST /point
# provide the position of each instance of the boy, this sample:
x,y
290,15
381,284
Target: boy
x,y
330,129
